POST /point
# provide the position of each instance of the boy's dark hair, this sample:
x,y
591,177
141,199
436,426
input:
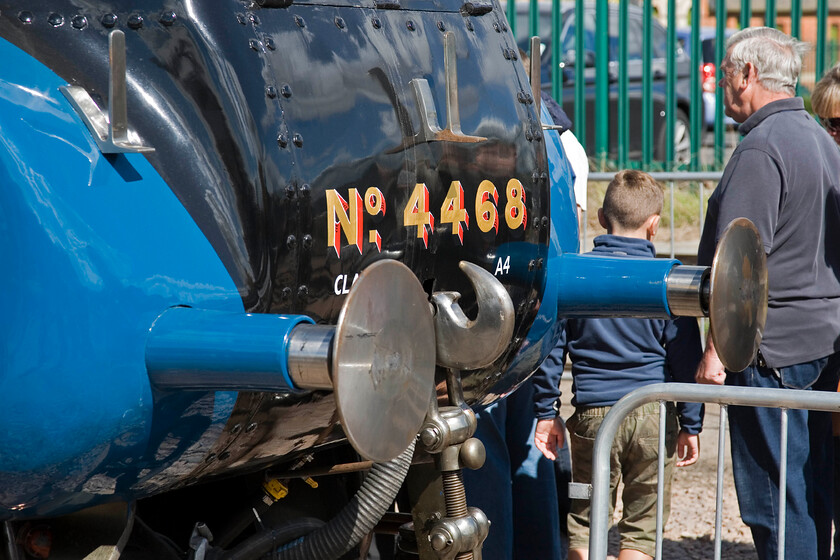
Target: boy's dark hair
x,y
632,197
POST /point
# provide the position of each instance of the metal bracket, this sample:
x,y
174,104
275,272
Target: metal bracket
x,y
430,130
110,130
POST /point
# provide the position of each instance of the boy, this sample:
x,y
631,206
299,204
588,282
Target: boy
x,y
610,358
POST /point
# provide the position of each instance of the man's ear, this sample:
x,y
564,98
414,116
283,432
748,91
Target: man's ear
x,y
603,220
652,226
748,75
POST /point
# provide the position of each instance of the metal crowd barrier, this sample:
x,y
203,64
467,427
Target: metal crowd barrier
x,y
599,522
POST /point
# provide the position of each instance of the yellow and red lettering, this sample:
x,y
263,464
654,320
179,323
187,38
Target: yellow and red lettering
x,y
344,217
452,211
417,213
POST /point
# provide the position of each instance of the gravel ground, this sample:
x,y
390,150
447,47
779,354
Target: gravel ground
x,y
690,531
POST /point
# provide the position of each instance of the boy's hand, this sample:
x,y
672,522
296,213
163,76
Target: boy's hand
x,y
549,436
688,449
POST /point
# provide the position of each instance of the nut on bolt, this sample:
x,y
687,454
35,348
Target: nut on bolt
x,y
440,540
430,436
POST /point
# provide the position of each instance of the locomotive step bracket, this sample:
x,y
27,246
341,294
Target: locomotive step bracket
x,y
110,130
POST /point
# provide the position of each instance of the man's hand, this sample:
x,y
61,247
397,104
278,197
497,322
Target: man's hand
x,y
710,370
549,436
688,449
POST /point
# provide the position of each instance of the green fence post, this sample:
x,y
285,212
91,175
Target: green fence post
x,y
671,85
696,116
623,94
602,105
580,67
647,90
746,13
533,19
511,16
770,13
556,55
720,52
822,18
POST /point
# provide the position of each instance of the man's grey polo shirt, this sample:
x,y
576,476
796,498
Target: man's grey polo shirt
x,y
784,177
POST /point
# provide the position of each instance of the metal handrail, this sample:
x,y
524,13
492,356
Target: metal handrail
x,y
689,392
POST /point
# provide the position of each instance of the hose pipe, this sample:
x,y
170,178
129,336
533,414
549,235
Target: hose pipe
x,y
347,529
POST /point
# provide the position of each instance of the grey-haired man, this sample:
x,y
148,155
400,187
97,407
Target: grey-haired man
x,y
784,177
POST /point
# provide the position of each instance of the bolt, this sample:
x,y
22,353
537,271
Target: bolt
x,y
286,91
251,427
376,22
430,436
305,190
307,241
291,242
135,21
241,19
409,25
299,22
303,292
109,20
497,28
79,22
470,26
282,141
26,17
269,43
167,18
290,190
441,26
285,294
254,19
297,140
271,92
56,20
339,22
439,542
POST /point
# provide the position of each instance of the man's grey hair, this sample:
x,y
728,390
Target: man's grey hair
x,y
777,57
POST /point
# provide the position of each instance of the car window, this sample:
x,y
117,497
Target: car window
x,y
567,35
660,41
634,42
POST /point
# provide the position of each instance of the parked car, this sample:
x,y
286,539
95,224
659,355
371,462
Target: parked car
x,y
708,70
682,139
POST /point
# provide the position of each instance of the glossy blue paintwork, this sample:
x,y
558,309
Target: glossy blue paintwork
x,y
93,248
564,239
197,349
598,286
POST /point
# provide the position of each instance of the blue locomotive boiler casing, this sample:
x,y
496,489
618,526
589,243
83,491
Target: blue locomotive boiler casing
x,y
270,126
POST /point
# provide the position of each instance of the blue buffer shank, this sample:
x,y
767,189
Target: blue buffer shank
x,y
201,350
601,286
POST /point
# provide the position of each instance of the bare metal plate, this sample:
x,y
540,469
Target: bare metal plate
x,y
384,360
738,298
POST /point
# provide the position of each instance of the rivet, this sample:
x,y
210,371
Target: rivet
x,y
79,22
303,292
236,429
210,458
529,136
545,221
135,21
544,176
520,96
537,135
297,140
25,17
251,427
339,22
441,26
540,263
497,28
109,20
241,19
537,224
532,264
224,456
305,190
255,45
271,92
282,141
286,91
269,43
167,18
376,22
286,293
470,26
535,176
291,242
506,54
56,20
254,19
307,241
409,25
290,191
299,22
504,27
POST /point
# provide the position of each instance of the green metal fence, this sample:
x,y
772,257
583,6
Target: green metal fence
x,y
604,106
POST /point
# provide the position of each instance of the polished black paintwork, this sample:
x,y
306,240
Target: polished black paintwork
x,y
256,112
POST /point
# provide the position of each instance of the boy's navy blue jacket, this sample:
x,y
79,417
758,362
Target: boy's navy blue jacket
x,y
611,357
